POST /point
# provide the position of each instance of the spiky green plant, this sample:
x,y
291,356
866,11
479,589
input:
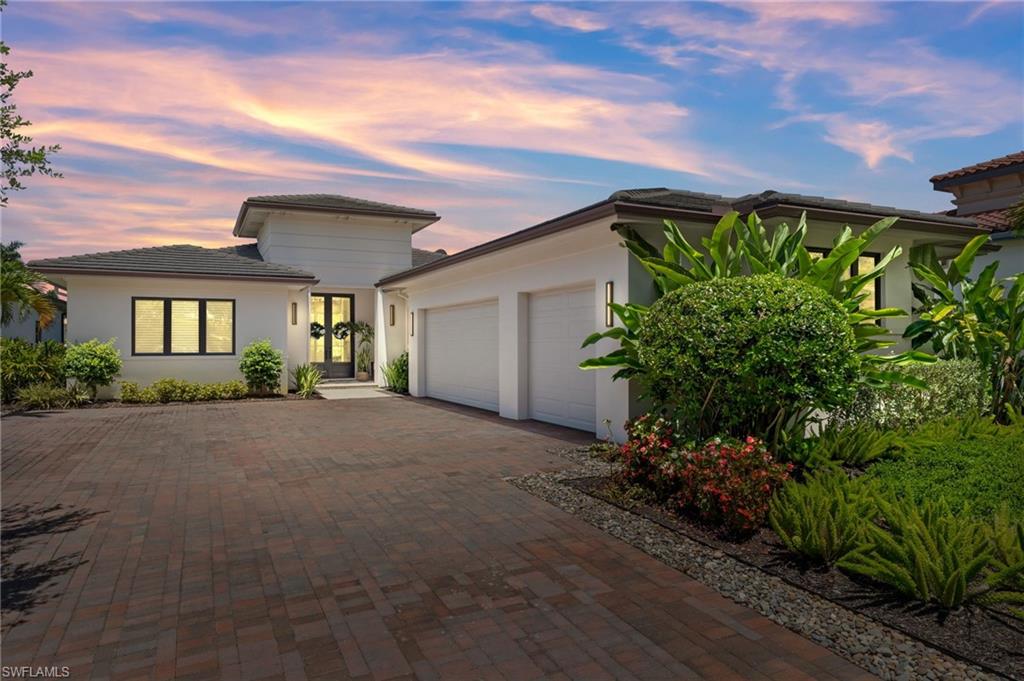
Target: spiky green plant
x,y
1008,554
856,445
822,519
307,377
927,553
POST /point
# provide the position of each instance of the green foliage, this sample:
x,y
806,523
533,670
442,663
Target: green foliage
x,y
955,387
856,445
23,364
76,395
19,158
307,377
1008,552
738,248
822,519
21,289
93,364
175,390
396,374
965,318
971,462
927,553
362,331
262,365
50,396
747,355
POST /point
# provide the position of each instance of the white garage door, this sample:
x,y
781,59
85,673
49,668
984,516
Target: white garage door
x,y
462,354
559,391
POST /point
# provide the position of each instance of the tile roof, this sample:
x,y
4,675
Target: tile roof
x,y
422,257
996,220
745,204
336,201
992,164
182,260
670,198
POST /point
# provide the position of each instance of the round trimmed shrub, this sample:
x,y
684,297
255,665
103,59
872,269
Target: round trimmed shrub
x,y
261,365
729,356
93,364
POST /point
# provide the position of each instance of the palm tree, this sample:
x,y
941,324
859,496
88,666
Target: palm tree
x,y
21,289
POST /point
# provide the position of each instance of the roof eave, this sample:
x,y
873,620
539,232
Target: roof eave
x,y
56,270
941,182
790,209
426,220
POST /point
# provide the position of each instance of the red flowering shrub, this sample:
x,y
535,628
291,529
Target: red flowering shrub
x,y
646,455
729,482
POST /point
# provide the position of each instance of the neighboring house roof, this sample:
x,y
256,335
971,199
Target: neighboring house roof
x,y
182,260
995,164
671,203
331,203
995,220
422,257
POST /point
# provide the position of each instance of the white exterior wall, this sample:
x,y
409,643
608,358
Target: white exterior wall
x,y
585,255
390,340
101,307
349,253
1010,256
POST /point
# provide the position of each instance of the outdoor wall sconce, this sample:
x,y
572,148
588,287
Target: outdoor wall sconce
x,y
295,314
412,323
391,315
609,298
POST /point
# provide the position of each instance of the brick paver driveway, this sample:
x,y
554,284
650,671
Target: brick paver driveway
x,y
350,539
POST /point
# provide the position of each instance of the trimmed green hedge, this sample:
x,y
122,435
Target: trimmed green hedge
x,y
174,390
730,355
956,387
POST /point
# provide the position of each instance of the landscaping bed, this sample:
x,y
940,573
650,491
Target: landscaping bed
x,y
981,636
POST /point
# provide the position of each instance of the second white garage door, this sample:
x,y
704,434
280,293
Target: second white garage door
x,y
462,354
559,391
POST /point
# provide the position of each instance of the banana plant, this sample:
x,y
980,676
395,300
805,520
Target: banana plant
x,y
737,248
964,318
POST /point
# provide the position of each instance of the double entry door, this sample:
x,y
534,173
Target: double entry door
x,y
331,355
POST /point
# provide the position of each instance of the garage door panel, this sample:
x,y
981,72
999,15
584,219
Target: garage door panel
x,y
559,391
462,355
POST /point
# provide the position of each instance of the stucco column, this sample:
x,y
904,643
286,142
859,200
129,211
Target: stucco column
x,y
513,367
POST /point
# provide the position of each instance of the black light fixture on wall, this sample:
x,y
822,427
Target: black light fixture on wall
x,y
412,323
609,298
391,315
295,314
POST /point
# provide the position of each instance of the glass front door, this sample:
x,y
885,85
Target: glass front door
x,y
331,354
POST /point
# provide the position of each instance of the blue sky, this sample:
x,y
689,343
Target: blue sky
x,y
497,116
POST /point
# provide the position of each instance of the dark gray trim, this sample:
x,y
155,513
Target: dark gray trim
x,y
202,327
311,281
271,205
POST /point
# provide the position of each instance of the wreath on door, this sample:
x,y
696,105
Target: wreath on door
x,y
317,331
341,330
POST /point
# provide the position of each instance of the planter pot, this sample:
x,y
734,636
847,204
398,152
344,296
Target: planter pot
x,y
362,375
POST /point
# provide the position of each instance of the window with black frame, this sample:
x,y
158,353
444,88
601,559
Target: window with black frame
x,y
862,265
183,326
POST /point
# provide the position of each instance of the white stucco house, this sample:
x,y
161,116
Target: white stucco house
x,y
497,326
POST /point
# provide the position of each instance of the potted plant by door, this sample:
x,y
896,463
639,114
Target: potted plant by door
x,y
364,356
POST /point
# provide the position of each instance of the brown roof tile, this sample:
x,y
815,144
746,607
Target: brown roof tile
x,y
992,164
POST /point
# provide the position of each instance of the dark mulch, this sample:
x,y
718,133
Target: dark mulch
x,y
983,637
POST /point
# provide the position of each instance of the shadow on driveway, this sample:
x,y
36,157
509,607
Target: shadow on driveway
x,y
23,584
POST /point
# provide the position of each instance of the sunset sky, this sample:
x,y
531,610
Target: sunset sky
x,y
497,116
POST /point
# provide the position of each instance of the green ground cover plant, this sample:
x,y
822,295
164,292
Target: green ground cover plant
x,y
176,390
974,463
